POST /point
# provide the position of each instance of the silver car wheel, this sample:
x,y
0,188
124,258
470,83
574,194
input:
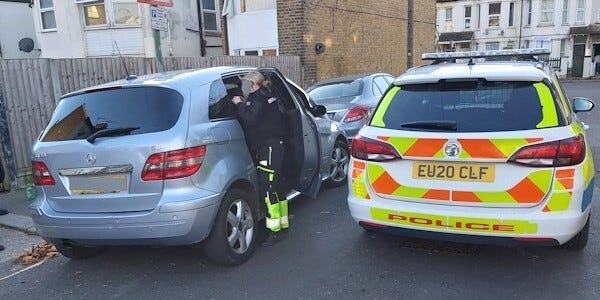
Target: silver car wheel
x,y
339,164
240,226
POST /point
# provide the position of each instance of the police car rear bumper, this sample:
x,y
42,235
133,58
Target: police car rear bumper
x,y
511,227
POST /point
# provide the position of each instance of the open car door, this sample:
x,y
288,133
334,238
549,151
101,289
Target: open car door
x,y
302,157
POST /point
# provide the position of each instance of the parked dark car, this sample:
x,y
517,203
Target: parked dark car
x,y
349,100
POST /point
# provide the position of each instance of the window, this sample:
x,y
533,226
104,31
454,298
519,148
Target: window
x,y
563,47
467,17
256,5
48,20
380,85
526,44
219,98
547,11
126,13
150,109
449,19
123,12
95,14
251,53
474,106
580,11
492,46
478,15
529,8
209,15
511,14
510,45
269,52
494,14
335,90
543,44
565,12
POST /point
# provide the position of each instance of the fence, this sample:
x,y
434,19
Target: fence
x,y
553,62
30,89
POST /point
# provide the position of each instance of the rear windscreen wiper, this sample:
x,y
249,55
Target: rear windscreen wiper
x,y
435,125
110,132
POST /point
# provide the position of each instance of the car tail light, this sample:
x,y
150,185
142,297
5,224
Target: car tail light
x,y
368,149
356,113
561,153
41,174
173,164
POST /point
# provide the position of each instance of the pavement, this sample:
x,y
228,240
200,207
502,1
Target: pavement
x,y
15,203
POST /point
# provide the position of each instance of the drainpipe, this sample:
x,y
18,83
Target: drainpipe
x,y
409,34
201,29
521,24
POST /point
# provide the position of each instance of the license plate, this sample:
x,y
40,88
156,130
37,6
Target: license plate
x,y
454,172
98,184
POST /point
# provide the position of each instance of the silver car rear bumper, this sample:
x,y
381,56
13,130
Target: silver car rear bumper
x,y
175,223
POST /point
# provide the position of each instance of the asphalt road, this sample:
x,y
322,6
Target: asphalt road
x,y
326,255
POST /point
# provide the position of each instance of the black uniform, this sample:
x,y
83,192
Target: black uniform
x,y
264,127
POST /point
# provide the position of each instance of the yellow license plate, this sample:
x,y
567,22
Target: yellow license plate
x,y
454,172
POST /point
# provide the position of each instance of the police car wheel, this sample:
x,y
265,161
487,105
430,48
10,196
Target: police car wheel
x,y
340,157
579,241
234,233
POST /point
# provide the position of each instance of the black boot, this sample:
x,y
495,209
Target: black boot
x,y
3,212
1,247
273,238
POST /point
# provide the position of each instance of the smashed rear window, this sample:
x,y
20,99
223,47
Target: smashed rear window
x,y
139,109
469,106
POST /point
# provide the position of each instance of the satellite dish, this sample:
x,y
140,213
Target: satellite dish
x,y
26,45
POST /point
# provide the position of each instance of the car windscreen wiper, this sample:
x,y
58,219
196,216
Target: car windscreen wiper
x,y
110,132
435,125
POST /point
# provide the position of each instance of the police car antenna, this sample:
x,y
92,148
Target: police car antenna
x,y
129,76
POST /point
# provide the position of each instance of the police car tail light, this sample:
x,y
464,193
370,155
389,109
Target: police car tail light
x,y
561,153
368,149
173,164
41,174
356,113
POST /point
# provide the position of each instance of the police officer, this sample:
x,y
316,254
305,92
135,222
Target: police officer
x,y
264,128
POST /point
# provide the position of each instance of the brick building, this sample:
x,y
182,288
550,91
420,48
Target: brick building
x,y
333,37
336,38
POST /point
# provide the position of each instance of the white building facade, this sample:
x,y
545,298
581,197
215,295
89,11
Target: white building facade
x,y
566,27
92,28
13,30
252,27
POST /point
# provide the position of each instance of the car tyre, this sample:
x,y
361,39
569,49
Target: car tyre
x,y
235,232
74,251
340,157
579,241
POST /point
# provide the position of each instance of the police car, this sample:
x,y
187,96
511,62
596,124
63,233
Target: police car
x,y
478,147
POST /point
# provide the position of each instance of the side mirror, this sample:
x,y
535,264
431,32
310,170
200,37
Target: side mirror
x,y
319,110
582,104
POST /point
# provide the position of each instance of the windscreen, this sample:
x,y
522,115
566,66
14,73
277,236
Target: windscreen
x,y
148,109
336,90
469,106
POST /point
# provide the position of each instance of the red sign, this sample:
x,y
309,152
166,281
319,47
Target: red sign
x,y
167,3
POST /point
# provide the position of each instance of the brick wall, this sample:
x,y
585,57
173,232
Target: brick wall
x,y
359,36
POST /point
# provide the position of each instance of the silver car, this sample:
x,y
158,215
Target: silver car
x,y
162,160
350,100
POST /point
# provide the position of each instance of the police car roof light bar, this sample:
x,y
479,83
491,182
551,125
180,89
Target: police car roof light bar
x,y
514,54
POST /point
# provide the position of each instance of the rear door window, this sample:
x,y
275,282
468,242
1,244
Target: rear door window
x,y
469,106
150,109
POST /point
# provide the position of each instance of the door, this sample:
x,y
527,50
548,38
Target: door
x,y
303,152
578,55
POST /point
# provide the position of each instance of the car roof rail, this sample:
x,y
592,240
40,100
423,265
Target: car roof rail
x,y
489,55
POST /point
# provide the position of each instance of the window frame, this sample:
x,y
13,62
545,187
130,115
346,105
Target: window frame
x,y
45,10
511,14
112,15
217,18
106,15
565,12
549,11
468,18
580,9
492,43
490,15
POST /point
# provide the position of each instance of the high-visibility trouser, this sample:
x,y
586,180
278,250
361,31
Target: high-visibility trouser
x,y
269,162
